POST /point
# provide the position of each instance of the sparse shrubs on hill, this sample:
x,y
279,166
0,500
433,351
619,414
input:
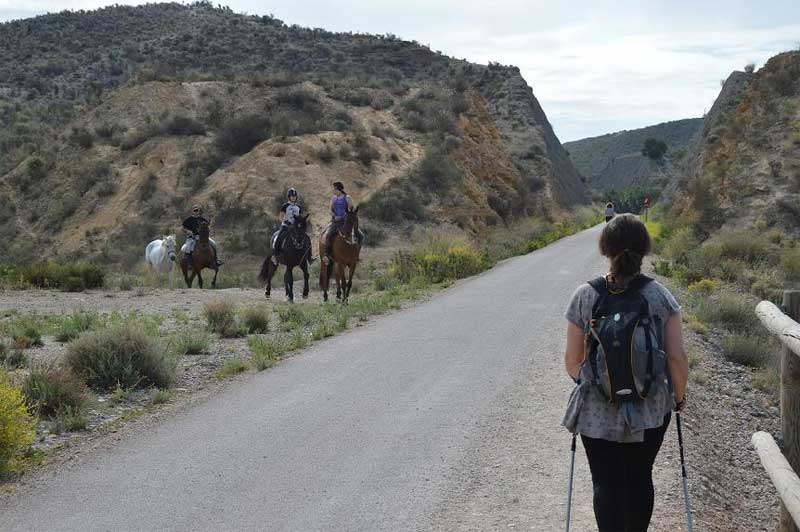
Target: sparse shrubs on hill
x,y
183,125
239,135
75,324
53,390
124,356
82,137
326,154
430,110
397,202
188,342
17,425
654,149
437,170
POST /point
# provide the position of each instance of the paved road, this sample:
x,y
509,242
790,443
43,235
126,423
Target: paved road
x,y
444,416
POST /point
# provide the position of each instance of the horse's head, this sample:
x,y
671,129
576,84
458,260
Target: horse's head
x,y
170,244
203,231
350,221
301,222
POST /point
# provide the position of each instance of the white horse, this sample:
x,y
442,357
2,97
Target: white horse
x,y
160,254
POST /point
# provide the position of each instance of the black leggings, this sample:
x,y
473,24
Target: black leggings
x,y
622,475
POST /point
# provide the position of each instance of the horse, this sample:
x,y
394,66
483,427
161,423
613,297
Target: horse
x,y
160,254
296,252
346,253
203,256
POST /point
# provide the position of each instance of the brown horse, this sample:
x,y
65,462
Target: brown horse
x,y
203,256
346,251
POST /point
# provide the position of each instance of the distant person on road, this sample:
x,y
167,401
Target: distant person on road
x,y
622,431
609,211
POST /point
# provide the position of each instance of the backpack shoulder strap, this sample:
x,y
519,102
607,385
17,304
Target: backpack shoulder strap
x,y
639,282
599,285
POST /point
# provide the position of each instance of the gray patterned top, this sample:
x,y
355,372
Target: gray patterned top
x,y
588,412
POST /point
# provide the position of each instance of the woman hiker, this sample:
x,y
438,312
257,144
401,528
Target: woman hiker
x,y
609,211
621,431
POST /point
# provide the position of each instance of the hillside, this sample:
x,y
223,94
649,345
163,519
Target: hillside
x,y
746,170
615,161
114,121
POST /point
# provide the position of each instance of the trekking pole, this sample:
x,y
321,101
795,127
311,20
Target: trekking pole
x,y
571,474
683,474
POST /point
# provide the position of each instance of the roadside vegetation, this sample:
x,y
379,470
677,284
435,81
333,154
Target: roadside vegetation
x,y
724,276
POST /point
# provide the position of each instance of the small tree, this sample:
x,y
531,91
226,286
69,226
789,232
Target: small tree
x,y
654,149
750,68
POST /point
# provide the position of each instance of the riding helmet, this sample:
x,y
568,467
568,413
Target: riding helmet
x,y
292,192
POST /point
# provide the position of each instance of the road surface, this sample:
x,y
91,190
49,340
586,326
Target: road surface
x,y
444,416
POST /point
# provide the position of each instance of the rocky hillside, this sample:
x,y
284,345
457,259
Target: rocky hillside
x,y
746,166
615,160
114,121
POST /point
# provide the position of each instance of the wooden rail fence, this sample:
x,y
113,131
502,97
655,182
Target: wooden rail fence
x,y
781,467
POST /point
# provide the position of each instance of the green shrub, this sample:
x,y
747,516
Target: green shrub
x,y
745,246
161,397
188,342
437,262
70,419
17,425
16,358
734,313
790,263
221,318
49,390
746,350
326,154
73,325
231,367
184,125
26,332
123,356
679,244
663,268
239,135
703,288
265,351
256,319
72,277
80,136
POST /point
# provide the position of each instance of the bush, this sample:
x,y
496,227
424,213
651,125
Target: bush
x,y
183,125
123,356
265,351
16,358
437,262
72,326
326,154
745,246
221,318
703,288
17,425
746,350
364,152
72,277
231,367
26,333
397,202
654,148
256,319
51,390
82,137
437,170
732,312
70,419
189,343
240,135
790,264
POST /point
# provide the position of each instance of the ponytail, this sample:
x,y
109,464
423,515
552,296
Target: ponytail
x,y
626,264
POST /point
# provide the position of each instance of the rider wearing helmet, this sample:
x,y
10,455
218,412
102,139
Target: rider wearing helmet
x,y
290,210
341,203
192,227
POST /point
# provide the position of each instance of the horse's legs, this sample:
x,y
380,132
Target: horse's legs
x,y
352,270
199,279
339,281
304,267
288,283
271,269
214,280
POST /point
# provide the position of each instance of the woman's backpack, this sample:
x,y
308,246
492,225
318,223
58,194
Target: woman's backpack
x,y
624,345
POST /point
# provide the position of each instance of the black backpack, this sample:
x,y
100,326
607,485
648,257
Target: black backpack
x,y
624,347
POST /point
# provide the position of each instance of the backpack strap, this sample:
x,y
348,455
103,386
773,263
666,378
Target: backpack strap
x,y
638,283
600,286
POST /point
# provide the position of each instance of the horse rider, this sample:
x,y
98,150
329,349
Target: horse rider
x,y
290,210
192,227
341,204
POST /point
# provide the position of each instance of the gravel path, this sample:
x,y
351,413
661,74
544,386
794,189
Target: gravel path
x,y
444,417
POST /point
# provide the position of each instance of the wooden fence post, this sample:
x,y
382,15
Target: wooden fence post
x,y
790,402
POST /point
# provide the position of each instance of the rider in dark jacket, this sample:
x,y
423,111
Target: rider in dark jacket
x,y
192,226
290,211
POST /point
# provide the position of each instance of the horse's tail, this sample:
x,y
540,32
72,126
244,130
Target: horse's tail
x,y
263,276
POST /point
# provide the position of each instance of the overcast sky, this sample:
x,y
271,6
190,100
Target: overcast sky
x,y
595,66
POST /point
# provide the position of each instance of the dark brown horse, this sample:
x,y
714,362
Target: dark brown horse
x,y
203,256
346,251
296,252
